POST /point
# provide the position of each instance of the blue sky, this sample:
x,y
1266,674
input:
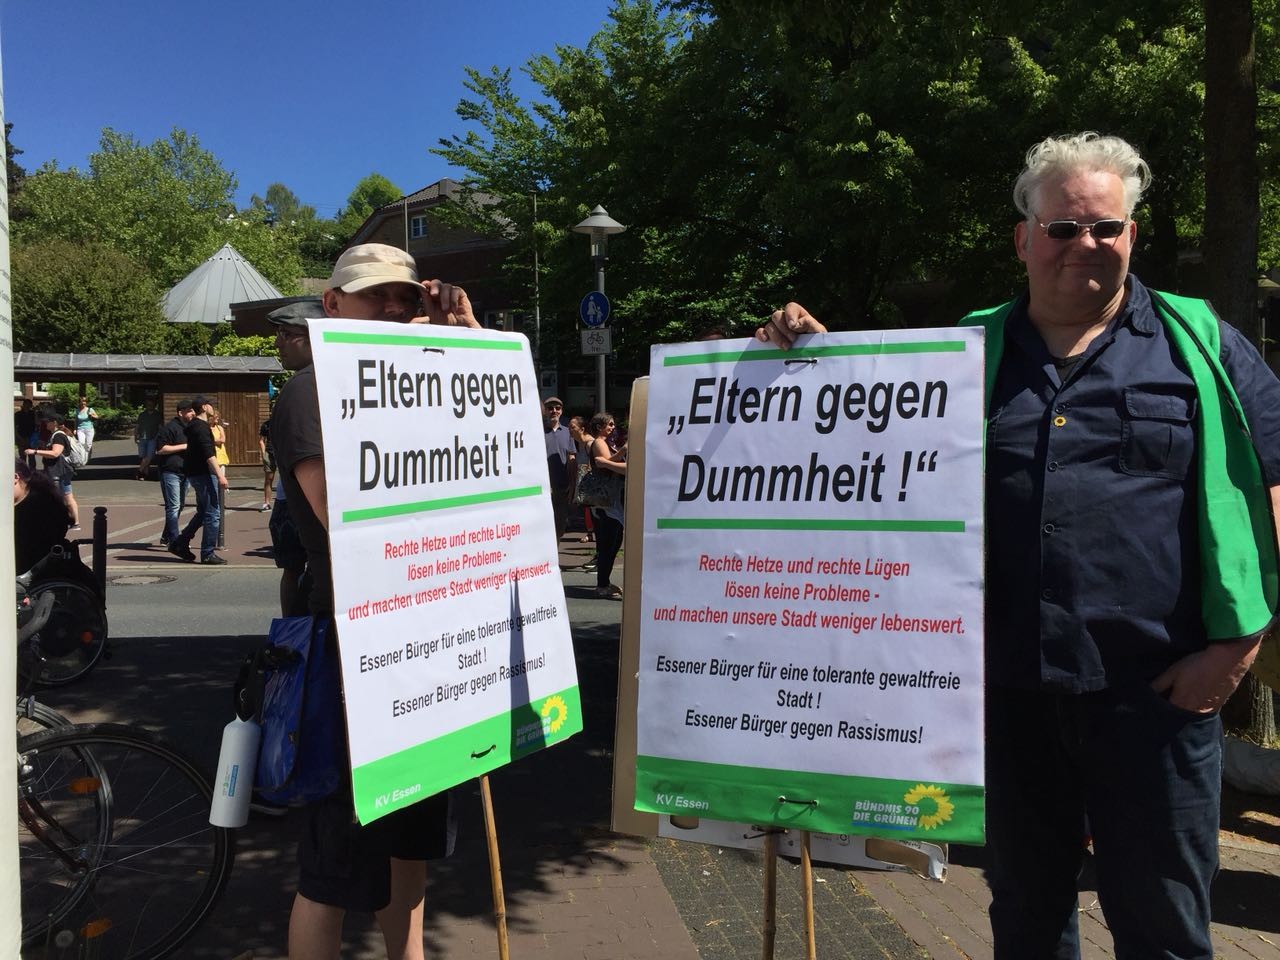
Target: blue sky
x,y
313,94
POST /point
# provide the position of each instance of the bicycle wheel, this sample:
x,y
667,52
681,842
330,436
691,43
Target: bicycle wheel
x,y
73,639
117,856
34,716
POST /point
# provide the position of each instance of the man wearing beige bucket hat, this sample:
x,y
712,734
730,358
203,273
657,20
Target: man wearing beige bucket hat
x,y
373,281
380,868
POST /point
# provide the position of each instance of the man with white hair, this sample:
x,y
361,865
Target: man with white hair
x,y
1132,463
380,868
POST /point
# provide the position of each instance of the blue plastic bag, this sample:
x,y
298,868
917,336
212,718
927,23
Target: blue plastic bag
x,y
302,757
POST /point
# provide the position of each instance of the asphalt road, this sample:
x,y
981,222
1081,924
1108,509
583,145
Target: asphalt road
x,y
178,635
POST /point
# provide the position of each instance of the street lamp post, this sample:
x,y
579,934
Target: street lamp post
x,y
599,226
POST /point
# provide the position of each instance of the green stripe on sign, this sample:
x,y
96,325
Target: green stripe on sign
x,y
864,806
801,353
410,340
781,523
444,503
401,779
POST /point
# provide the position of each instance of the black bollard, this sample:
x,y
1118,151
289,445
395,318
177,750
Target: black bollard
x,y
100,547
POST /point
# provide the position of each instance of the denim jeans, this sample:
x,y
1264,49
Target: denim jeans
x,y
1139,775
206,515
173,486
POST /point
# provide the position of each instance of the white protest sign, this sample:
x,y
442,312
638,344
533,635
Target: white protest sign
x,y
456,652
811,610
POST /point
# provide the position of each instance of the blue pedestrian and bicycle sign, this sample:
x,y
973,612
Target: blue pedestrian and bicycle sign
x,y
594,309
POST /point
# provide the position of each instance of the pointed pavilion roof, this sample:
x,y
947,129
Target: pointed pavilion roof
x,y
206,293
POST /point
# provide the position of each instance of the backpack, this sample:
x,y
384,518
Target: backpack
x,y
293,683
74,451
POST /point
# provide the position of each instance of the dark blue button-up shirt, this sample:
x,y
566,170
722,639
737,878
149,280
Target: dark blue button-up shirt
x,y
1092,550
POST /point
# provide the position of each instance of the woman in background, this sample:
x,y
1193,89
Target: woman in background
x,y
40,517
85,415
608,519
53,445
582,440
219,437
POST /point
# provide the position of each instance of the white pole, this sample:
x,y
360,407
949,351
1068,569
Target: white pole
x,y
10,902
602,400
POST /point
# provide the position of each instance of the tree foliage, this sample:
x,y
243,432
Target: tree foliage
x,y
83,298
857,156
281,207
370,193
168,206
159,204
254,345
15,172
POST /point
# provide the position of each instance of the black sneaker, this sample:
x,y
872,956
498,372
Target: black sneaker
x,y
213,559
180,550
164,542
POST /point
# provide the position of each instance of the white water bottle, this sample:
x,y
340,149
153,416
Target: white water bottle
x,y
236,763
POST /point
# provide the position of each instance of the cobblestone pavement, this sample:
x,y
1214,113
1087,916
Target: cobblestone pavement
x,y
719,893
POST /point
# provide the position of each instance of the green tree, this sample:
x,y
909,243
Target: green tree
x,y
317,241
187,340
1232,215
167,205
158,204
252,346
273,250
83,298
370,193
314,240
16,173
319,244
281,206
862,161
595,136
234,345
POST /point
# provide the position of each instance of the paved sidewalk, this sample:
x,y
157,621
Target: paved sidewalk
x,y
950,920
573,888
135,512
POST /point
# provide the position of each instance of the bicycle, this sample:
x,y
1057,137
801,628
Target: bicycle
x,y
75,633
33,716
117,858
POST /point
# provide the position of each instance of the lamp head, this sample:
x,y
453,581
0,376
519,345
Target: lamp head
x,y
599,226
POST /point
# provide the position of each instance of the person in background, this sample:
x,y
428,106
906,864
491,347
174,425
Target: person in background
x,y
51,451
24,426
219,433
608,519
200,465
144,435
40,516
290,555
171,446
562,463
582,444
268,452
85,416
